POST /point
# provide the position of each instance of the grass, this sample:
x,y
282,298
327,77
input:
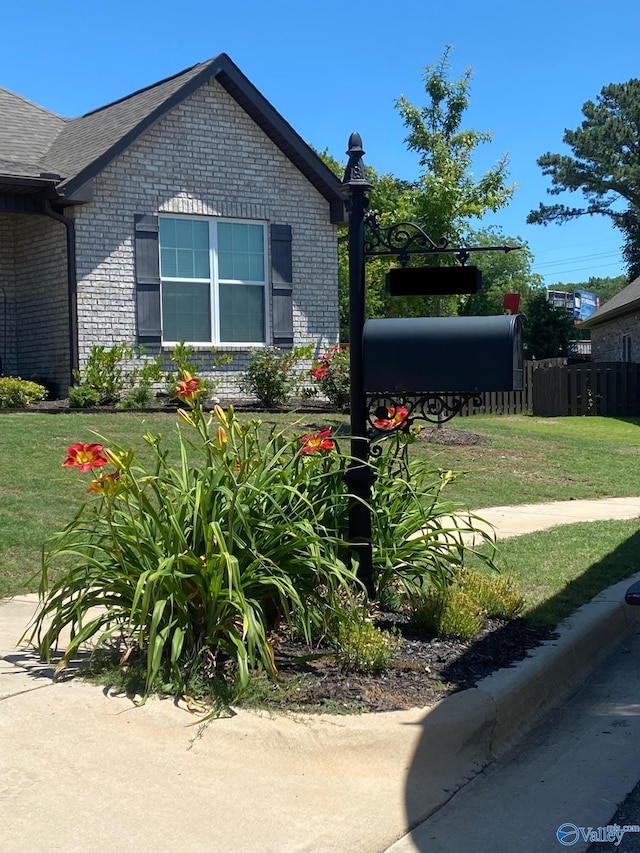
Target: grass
x,y
560,569
526,460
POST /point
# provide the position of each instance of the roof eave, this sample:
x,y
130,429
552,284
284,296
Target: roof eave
x,y
613,314
261,111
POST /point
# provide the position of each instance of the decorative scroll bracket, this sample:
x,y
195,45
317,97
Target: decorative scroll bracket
x,y
391,413
405,239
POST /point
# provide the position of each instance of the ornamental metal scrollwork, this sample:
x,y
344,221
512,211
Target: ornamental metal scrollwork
x,y
401,239
404,239
388,414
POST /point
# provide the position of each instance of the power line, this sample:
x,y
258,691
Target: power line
x,y
580,269
573,260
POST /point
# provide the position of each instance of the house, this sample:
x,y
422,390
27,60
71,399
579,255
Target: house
x,y
615,327
189,210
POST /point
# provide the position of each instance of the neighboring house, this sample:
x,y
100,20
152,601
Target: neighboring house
x,y
615,327
189,210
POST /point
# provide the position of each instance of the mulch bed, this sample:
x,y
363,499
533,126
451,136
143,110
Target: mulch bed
x,y
423,670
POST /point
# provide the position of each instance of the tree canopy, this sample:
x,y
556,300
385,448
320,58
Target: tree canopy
x,y
546,330
605,167
445,200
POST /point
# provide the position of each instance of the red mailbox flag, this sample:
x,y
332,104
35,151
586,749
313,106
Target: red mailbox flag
x,y
511,302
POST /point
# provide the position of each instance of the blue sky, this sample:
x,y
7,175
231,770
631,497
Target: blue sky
x,y
330,68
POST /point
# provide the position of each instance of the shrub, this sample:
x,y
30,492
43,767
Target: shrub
x,y
15,393
83,397
192,561
137,398
361,646
496,596
447,613
331,374
106,371
272,376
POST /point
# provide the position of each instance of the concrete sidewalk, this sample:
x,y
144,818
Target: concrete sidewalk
x,y
84,770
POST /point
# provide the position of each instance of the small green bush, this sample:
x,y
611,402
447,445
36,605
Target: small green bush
x,y
105,370
497,596
363,648
272,376
139,397
447,612
83,397
15,393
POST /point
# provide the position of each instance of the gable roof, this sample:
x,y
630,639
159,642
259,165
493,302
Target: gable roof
x,y
622,303
77,150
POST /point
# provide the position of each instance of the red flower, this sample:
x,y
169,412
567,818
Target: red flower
x,y
396,416
188,388
85,457
319,372
316,441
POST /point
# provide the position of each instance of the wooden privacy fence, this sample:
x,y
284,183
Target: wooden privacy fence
x,y
594,388
511,402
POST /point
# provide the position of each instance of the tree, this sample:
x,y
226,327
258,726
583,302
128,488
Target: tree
x,y
446,196
605,166
444,200
502,272
547,330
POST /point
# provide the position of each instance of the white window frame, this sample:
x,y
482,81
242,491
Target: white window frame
x,y
214,284
626,348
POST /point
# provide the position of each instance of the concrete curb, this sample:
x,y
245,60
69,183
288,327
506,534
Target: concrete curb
x,y
483,722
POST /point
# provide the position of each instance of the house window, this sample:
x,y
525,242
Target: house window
x,y
213,280
626,348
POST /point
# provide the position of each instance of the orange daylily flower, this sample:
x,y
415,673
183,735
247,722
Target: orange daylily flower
x,y
396,416
106,484
188,387
84,457
311,442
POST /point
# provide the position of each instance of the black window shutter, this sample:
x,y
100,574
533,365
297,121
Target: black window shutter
x,y
147,279
281,286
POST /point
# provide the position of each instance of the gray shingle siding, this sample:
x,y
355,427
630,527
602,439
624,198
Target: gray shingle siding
x,y
206,157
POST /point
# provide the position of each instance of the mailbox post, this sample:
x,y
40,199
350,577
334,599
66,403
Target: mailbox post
x,y
360,475
374,385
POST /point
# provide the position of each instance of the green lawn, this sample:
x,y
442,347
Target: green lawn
x,y
525,460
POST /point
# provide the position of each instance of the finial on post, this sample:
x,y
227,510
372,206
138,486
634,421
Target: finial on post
x,y
356,174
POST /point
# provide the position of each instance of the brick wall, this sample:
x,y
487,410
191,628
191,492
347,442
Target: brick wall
x,y
606,339
34,275
206,157
8,352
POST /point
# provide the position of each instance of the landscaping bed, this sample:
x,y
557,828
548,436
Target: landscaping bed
x,y
422,671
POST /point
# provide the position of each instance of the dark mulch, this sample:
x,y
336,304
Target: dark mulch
x,y
446,435
423,670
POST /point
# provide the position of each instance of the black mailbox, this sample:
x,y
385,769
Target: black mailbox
x,y
444,354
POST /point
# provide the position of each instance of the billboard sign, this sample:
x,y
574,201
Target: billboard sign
x,y
584,304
